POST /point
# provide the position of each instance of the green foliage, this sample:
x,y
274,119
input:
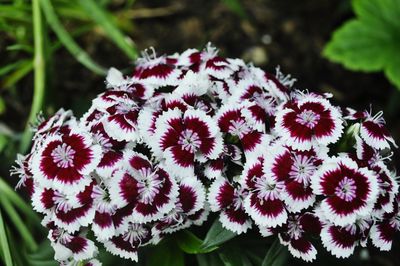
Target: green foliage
x,y
370,42
217,235
166,253
277,255
191,244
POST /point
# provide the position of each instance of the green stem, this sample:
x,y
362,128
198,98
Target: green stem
x,y
19,224
39,68
5,247
8,192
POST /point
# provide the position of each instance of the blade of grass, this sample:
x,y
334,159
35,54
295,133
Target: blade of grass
x,y
104,19
5,248
66,39
19,224
39,67
25,208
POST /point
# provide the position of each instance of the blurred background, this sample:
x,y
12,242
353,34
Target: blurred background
x,y
54,53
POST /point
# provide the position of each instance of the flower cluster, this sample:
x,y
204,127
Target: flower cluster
x,y
191,133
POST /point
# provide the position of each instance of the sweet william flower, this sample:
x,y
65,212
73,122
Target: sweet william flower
x,y
228,198
65,161
190,133
308,122
349,191
183,138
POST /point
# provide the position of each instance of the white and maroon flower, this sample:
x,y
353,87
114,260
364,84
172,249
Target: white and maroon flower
x,y
183,138
73,246
156,71
215,168
388,188
263,203
262,104
120,114
295,169
341,241
383,232
53,123
216,66
297,234
103,225
116,81
349,191
126,245
112,151
231,120
227,198
308,122
24,173
373,131
67,211
151,190
189,208
64,162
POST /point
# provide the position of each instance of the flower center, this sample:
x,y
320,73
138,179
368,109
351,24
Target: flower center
x,y
302,169
135,233
189,140
308,118
125,106
149,185
99,138
63,204
295,229
265,102
239,128
346,190
268,188
63,156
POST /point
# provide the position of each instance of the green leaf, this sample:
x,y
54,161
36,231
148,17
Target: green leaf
x,y
208,259
102,18
233,256
166,253
191,244
217,235
277,255
358,47
4,246
43,256
370,41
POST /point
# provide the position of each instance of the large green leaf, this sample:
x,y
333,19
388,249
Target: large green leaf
x,y
217,235
233,256
166,253
277,255
191,244
371,41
